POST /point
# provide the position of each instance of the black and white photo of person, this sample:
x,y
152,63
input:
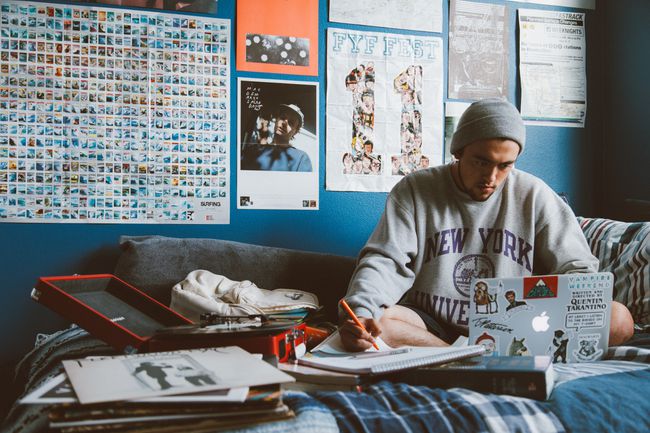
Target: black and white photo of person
x,y
155,371
278,126
162,373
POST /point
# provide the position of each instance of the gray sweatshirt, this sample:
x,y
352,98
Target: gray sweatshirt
x,y
433,238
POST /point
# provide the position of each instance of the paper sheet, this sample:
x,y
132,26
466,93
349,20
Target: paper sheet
x,y
424,15
552,53
478,50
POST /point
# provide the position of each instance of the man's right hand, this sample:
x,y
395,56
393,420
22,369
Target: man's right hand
x,y
356,339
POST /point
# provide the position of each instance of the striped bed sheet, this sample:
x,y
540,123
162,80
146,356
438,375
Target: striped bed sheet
x,y
390,407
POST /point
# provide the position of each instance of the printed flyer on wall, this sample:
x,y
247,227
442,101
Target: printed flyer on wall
x,y
278,145
384,108
279,36
552,65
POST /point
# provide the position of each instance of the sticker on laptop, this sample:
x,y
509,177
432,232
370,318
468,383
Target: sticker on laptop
x,y
589,300
514,305
559,345
588,349
518,347
485,298
586,309
540,287
489,342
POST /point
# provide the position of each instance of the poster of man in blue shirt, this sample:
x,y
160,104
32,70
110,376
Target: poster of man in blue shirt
x,y
278,144
277,126
269,146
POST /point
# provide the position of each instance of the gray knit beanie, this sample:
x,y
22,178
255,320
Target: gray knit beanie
x,y
489,118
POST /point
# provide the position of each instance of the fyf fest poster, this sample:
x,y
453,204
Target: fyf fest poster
x,y
384,108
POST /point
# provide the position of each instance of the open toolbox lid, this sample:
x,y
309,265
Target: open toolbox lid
x,y
107,307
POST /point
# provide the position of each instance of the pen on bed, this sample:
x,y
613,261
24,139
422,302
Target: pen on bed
x,y
356,320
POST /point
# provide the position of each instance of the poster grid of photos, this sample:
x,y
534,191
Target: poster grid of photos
x,y
113,115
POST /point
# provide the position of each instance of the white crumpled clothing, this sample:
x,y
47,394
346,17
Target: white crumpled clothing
x,y
202,292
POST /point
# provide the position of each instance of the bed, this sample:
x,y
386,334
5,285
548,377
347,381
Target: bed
x,y
610,395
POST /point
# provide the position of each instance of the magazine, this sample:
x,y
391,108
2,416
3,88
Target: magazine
x,y
145,375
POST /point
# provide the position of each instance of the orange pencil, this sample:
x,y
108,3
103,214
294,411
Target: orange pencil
x,y
355,319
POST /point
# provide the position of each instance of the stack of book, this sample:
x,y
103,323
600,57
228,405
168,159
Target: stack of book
x,y
310,379
330,367
198,390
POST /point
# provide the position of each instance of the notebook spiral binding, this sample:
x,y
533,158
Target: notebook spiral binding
x,y
425,360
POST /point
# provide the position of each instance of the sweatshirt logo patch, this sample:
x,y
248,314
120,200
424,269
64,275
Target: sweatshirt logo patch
x,y
470,266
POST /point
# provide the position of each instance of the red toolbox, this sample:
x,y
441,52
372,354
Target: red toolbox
x,y
132,321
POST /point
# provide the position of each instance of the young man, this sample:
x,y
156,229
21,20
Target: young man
x,y
512,302
279,155
477,216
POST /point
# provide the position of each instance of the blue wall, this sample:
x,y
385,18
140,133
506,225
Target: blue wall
x,y
626,132
564,157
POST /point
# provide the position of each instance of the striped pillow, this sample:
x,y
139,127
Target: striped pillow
x,y
624,250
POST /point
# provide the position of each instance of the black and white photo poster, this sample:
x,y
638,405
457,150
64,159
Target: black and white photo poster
x,y
278,146
478,50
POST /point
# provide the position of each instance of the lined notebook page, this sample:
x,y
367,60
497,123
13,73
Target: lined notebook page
x,y
331,355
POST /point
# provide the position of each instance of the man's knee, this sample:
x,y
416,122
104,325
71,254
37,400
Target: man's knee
x,y
401,314
622,326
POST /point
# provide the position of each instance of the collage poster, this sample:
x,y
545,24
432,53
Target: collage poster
x,y
384,108
113,116
277,36
278,147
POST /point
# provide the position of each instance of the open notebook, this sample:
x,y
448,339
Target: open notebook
x,y
331,355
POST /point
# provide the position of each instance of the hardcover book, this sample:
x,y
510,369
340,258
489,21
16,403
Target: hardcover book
x,y
317,379
523,376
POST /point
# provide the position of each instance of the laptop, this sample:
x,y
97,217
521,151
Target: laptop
x,y
566,317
